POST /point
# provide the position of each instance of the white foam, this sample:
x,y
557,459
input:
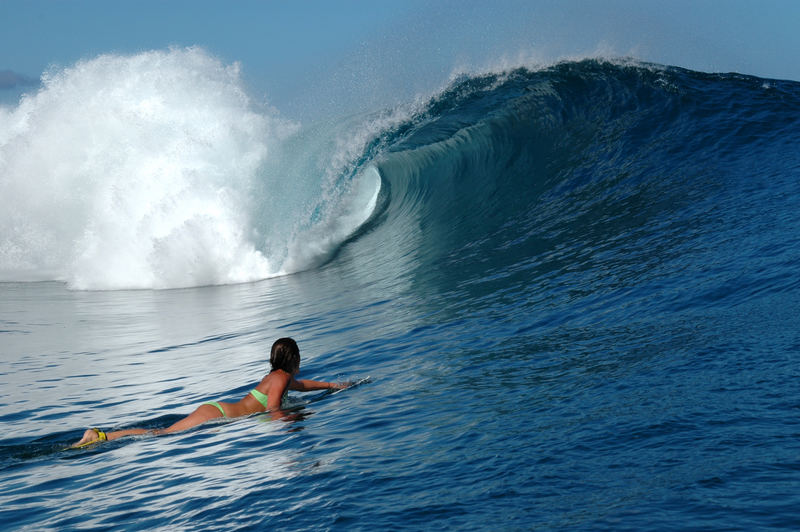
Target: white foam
x,y
157,171
134,172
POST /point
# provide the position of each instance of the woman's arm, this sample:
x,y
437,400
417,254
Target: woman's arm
x,y
305,385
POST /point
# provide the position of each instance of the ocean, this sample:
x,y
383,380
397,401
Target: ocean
x,y
568,293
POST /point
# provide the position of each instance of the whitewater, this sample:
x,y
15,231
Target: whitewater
x,y
158,171
569,292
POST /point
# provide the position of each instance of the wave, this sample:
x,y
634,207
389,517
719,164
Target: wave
x,y
626,171
529,133
158,171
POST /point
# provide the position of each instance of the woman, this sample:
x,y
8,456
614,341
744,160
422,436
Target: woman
x,y
284,358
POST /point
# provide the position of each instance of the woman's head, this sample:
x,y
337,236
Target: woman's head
x,y
285,355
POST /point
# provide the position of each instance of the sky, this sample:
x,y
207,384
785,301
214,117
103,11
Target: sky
x,y
317,57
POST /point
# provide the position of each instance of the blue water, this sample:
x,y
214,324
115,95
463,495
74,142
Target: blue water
x,y
575,298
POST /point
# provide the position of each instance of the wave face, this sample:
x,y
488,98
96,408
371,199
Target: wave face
x,y
158,171
634,175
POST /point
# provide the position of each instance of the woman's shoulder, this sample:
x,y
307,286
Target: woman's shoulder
x,y
274,378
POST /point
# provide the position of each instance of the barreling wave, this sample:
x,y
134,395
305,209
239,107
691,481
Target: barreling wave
x,y
491,148
630,173
158,171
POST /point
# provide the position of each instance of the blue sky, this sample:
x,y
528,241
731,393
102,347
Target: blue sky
x,y
329,54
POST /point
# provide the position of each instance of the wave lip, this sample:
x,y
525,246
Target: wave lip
x,y
315,245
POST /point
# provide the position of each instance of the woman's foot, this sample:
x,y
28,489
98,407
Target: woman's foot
x,y
88,437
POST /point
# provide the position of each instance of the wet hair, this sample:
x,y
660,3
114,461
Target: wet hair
x,y
284,355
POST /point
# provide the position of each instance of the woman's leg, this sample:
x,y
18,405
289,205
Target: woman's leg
x,y
91,435
201,414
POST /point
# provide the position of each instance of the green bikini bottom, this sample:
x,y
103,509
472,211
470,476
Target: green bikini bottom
x,y
260,397
219,406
